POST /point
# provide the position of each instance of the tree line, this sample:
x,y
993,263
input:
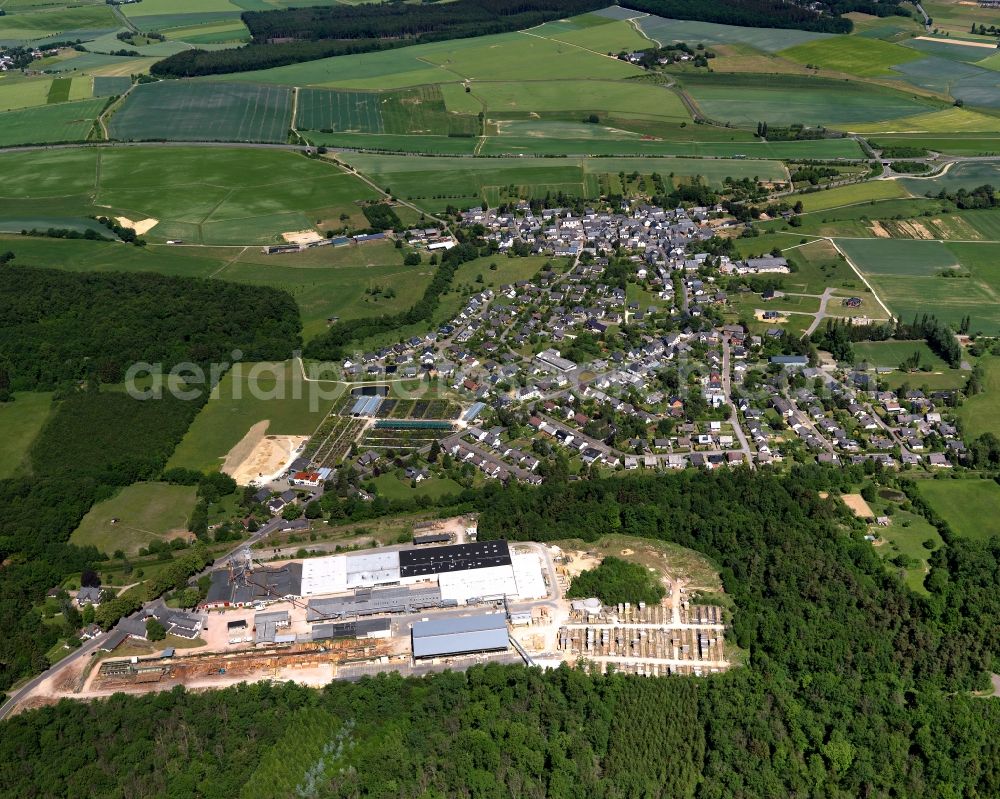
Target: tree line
x,y
294,35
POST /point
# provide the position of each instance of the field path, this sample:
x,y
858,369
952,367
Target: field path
x,y
295,108
634,22
577,46
230,262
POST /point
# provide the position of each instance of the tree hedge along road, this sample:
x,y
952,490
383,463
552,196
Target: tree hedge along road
x,y
853,685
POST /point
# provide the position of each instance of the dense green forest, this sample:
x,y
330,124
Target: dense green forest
x,y
58,327
292,35
70,331
854,686
615,581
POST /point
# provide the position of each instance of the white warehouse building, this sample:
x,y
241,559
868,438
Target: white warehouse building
x,y
484,570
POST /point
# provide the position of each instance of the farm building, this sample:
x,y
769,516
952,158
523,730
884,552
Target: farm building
x,y
462,635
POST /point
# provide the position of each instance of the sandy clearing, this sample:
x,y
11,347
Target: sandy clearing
x,y
301,236
257,455
857,503
965,42
141,228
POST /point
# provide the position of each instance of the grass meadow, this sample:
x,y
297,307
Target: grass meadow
x,y
20,421
135,517
981,413
827,199
893,353
971,507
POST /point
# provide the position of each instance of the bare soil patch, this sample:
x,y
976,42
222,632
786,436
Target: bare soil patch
x,y
857,504
301,236
259,456
141,228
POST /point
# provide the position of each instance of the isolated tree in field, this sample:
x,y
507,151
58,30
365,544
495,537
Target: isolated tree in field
x,y
155,631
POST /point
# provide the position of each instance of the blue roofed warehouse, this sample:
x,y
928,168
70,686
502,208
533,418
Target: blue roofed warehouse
x,y
460,635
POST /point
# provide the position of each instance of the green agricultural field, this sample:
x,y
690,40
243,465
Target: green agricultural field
x,y
908,257
508,270
51,124
981,413
15,93
850,195
987,222
340,111
228,415
546,137
950,120
972,84
665,31
20,421
149,8
521,56
785,100
967,175
194,111
954,49
851,54
211,33
108,87
606,98
606,36
971,507
419,111
38,24
137,516
909,276
508,56
59,90
431,145
236,196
